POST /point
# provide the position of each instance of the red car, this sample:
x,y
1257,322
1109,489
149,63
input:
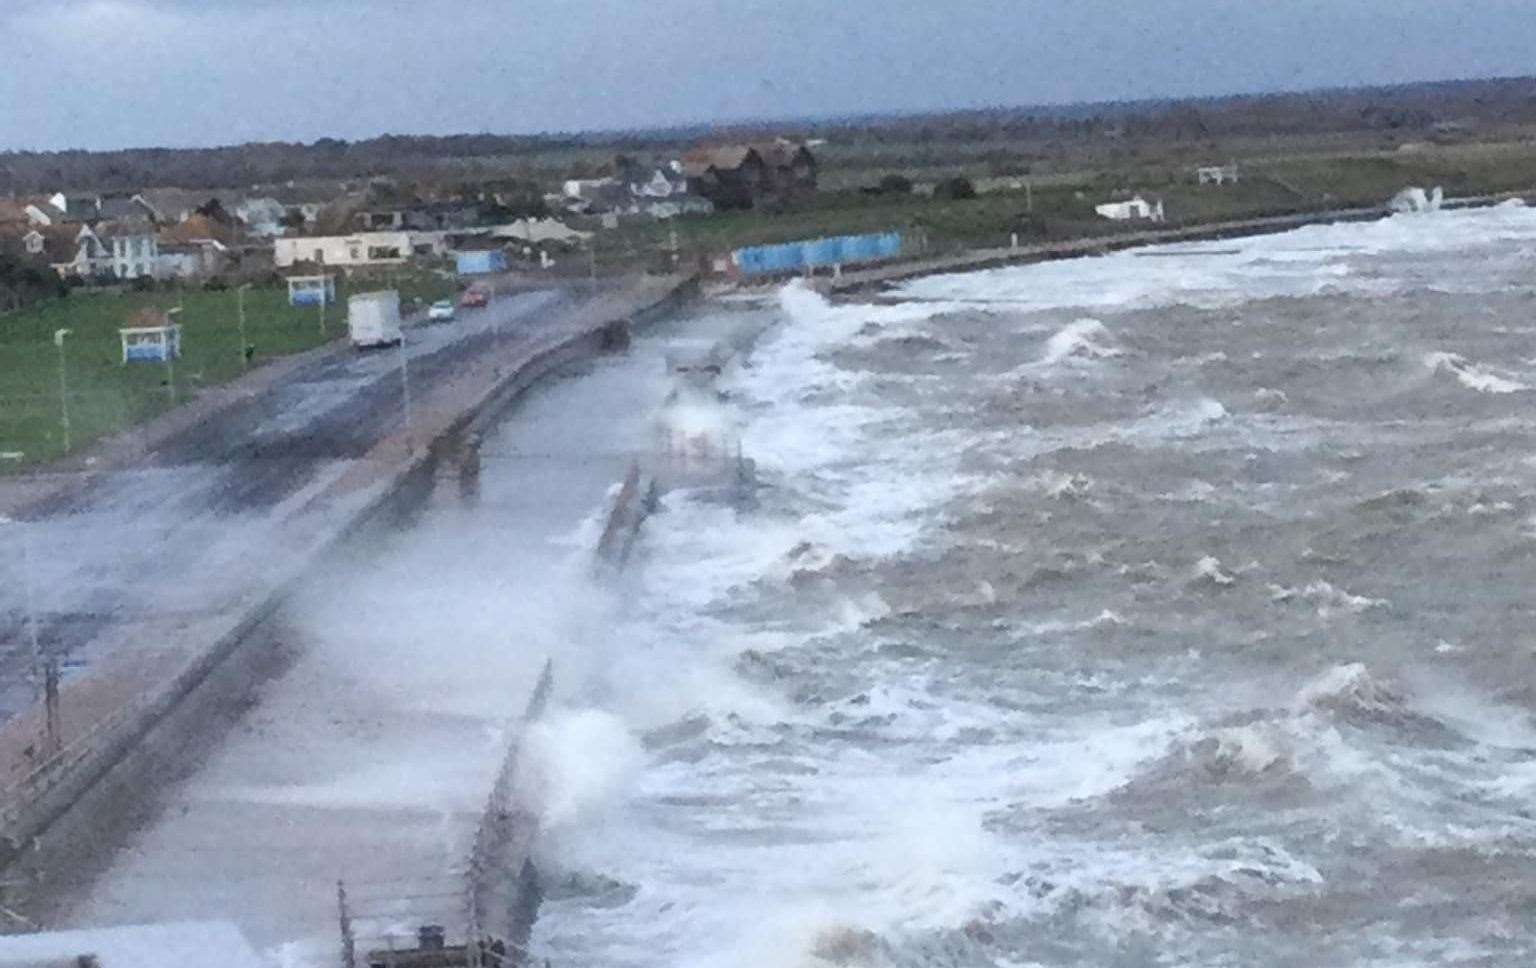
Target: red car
x,y
474,299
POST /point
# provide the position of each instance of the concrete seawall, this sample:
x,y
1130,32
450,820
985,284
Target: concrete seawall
x,y
975,259
62,824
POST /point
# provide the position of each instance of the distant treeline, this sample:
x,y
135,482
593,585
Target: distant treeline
x,y
1405,108
1408,107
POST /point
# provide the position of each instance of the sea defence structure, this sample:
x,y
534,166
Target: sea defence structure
x,y
972,260
140,721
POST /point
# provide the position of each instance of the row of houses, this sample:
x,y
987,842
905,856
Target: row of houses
x,y
174,233
123,249
158,234
720,177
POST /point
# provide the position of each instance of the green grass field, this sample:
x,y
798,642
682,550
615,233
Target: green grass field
x,y
105,396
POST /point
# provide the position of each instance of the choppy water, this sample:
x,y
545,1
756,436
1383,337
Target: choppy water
x,y
1115,612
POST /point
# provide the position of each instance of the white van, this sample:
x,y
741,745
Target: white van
x,y
373,319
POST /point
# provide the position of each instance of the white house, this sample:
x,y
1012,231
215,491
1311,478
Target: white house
x,y
1137,209
68,249
1217,174
358,249
135,250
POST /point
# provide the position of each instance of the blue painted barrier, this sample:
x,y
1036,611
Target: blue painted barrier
x,y
815,253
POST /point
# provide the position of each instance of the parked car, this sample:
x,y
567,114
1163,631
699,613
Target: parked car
x,y
474,298
440,310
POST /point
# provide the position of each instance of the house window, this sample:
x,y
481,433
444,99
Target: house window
x,y
320,256
378,252
356,253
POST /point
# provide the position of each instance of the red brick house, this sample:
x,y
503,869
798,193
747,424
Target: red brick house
x,y
746,175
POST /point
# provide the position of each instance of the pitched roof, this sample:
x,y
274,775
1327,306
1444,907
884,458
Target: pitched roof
x,y
174,204
149,318
723,157
61,243
195,229
120,208
778,153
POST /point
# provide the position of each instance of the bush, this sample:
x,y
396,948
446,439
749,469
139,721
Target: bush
x,y
955,189
896,185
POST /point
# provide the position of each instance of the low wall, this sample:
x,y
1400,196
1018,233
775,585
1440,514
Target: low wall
x,y
62,831
977,259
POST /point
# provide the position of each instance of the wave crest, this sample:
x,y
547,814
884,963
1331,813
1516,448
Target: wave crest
x,y
1470,375
1082,339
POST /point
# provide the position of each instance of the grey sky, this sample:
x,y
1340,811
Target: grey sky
x,y
117,73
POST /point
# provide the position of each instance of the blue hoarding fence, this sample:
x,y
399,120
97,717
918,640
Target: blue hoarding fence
x,y
481,261
813,253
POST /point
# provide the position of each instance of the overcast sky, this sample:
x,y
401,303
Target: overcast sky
x,y
127,73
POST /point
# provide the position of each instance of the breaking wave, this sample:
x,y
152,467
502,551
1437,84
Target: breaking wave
x,y
1082,339
1471,376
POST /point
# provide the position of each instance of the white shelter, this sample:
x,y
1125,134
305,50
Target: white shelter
x,y
151,336
311,290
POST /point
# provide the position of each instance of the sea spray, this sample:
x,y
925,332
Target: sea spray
x,y
574,764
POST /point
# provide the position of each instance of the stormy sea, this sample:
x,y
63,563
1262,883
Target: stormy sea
x,y
1131,610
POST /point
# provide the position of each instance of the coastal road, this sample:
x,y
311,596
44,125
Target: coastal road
x,y
139,553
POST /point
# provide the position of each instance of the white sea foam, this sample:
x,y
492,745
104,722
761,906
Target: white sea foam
x,y
1470,375
1082,339
574,763
1209,569
1302,262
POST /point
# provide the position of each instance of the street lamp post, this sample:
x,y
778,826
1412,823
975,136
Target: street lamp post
x,y
58,340
170,367
47,670
325,297
405,382
245,359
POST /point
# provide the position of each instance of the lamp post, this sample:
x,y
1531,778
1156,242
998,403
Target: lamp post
x,y
245,359
405,382
58,340
47,671
325,297
170,367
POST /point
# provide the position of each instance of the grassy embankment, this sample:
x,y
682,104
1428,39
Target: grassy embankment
x,y
106,397
1059,206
